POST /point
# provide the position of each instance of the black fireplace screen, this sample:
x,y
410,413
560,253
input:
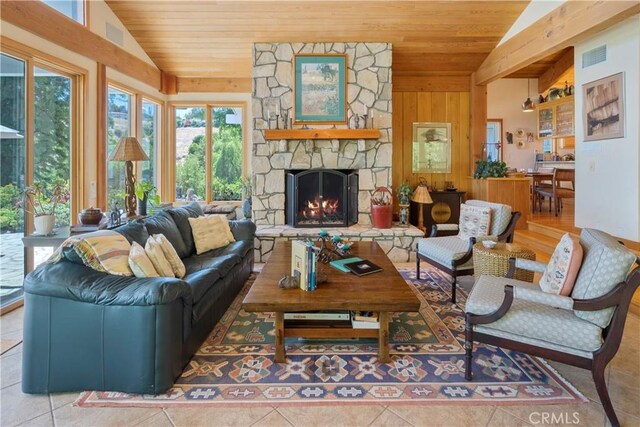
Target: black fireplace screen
x,y
322,197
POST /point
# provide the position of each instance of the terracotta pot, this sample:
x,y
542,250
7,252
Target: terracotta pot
x,y
90,216
44,224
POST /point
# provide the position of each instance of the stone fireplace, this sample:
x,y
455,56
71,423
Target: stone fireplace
x,y
368,84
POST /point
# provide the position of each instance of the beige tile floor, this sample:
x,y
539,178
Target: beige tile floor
x,y
623,379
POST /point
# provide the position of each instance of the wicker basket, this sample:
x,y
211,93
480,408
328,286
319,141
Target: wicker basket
x,y
381,212
495,262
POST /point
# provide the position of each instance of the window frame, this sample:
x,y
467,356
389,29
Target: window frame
x,y
137,97
170,177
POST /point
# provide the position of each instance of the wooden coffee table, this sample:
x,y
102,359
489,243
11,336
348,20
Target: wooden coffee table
x,y
381,292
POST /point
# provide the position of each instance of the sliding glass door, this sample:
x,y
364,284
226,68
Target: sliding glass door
x,y
13,83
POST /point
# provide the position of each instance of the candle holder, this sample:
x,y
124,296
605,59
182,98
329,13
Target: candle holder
x,y
364,119
356,121
277,121
285,120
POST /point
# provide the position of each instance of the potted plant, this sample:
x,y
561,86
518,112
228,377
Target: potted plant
x,y
404,193
490,169
381,209
146,192
246,195
42,204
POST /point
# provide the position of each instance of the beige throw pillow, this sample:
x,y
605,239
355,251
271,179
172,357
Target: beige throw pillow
x,y
140,263
474,221
171,255
210,232
154,251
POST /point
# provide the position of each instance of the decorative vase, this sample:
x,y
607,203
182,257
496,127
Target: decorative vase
x,y
246,208
90,216
44,224
142,206
404,199
404,215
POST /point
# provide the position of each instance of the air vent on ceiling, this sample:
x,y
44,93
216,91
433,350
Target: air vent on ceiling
x,y
594,56
115,35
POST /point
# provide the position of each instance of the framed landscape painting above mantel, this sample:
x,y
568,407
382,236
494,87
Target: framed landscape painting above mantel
x,y
604,108
320,91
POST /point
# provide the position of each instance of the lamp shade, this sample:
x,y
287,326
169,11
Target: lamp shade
x,y
421,194
128,149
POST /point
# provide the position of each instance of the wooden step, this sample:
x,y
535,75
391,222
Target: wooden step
x,y
540,243
548,230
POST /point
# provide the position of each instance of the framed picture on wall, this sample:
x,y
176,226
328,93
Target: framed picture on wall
x,y
431,147
603,108
320,88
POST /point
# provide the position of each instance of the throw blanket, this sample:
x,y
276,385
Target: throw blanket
x,y
105,250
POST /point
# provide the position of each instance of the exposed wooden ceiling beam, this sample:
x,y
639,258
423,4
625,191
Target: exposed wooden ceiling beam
x,y
554,72
570,23
41,20
188,84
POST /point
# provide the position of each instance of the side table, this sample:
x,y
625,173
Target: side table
x,y
495,262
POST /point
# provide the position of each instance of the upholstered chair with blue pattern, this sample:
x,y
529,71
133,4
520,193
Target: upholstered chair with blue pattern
x,y
453,254
583,329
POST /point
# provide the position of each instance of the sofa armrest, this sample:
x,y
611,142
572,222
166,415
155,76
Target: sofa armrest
x,y
77,282
527,264
541,297
243,229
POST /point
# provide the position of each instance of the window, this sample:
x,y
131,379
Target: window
x,y
118,126
494,145
209,152
74,9
130,113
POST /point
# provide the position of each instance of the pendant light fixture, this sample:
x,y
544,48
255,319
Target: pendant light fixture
x,y
527,106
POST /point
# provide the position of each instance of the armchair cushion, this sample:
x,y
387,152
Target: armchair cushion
x,y
500,215
445,250
531,322
474,221
560,275
606,263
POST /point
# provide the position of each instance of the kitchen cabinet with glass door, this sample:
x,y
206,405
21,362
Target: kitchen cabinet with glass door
x,y
556,118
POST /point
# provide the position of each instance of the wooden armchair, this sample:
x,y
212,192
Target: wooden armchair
x,y
556,192
453,255
583,330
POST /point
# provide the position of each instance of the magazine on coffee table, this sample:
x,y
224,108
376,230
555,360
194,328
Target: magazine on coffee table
x,y
362,268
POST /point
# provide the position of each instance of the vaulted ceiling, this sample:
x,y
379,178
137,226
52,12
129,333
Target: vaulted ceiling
x,y
214,38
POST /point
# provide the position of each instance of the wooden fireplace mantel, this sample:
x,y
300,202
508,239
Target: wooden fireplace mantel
x,y
322,134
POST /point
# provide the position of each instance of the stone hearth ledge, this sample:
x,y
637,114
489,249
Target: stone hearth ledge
x,y
399,243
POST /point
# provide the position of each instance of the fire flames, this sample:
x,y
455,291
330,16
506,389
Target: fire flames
x,y
313,208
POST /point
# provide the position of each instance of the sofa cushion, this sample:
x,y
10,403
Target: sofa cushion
x,y
181,217
134,231
500,215
163,223
531,322
240,248
204,270
140,263
474,221
444,250
104,250
560,275
605,263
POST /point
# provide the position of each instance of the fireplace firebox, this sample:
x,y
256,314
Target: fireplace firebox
x,y
322,198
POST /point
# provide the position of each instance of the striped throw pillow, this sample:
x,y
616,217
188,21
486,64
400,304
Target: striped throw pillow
x,y
106,251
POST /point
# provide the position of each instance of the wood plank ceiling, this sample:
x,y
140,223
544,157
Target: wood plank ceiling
x,y
214,38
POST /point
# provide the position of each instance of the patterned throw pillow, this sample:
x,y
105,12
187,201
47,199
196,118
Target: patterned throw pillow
x,y
140,263
561,272
474,221
106,251
154,251
210,232
171,255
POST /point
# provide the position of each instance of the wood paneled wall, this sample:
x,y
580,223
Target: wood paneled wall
x,y
447,107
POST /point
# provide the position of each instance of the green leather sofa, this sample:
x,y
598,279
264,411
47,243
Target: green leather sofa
x,y
86,330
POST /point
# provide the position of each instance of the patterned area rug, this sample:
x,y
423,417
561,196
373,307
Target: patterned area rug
x,y
235,365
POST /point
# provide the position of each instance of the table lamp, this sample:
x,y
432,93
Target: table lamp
x,y
129,150
421,195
